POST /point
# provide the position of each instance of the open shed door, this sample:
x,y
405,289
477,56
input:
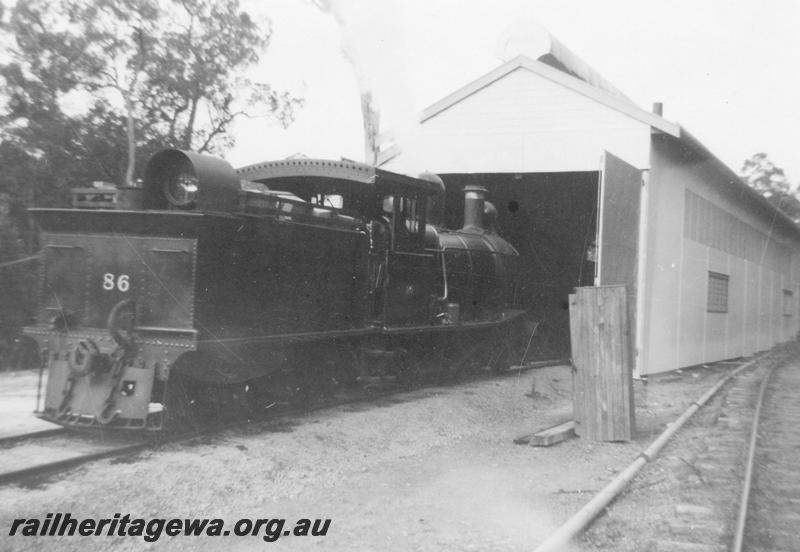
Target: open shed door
x,y
618,231
618,223
603,317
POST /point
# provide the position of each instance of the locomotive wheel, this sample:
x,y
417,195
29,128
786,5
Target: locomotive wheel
x,y
466,357
302,389
179,403
407,366
262,394
316,372
443,358
348,366
224,402
454,355
501,358
302,382
509,347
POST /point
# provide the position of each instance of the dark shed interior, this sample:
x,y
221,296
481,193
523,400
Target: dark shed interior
x,y
551,219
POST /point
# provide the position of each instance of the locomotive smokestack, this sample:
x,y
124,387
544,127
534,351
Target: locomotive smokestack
x,y
474,199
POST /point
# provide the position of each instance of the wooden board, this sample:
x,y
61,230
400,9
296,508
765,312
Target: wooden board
x,y
602,380
538,364
576,336
549,436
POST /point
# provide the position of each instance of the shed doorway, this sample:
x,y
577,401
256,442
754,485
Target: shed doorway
x,y
572,229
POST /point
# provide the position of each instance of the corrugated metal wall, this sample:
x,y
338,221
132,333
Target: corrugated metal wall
x,y
710,225
697,226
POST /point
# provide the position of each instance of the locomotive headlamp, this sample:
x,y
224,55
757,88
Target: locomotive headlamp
x,y
181,188
184,180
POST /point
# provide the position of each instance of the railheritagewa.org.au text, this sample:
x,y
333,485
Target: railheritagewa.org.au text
x,y
119,525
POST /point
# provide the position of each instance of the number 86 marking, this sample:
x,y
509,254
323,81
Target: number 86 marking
x,y
122,282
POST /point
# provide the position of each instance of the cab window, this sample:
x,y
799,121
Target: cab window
x,y
409,214
335,201
387,206
405,216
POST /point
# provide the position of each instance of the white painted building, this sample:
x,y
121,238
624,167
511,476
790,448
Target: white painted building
x,y
712,269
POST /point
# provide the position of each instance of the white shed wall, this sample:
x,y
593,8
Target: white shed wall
x,y
523,122
679,330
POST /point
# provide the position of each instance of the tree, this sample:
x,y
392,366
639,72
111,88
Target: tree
x,y
194,80
91,88
761,174
147,71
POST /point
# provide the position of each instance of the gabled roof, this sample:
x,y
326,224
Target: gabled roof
x,y
530,38
572,73
558,64
574,83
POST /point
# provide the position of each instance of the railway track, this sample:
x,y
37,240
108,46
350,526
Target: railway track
x,y
46,453
705,514
744,490
30,435
27,456
769,512
735,484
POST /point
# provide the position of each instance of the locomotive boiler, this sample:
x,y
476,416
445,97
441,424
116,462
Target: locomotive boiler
x,y
233,288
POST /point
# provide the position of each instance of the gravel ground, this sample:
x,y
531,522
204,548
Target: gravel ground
x,y
432,469
659,512
18,401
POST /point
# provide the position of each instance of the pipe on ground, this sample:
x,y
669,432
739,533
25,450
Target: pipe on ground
x,y
559,539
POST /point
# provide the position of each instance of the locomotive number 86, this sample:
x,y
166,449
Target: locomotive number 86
x,y
273,281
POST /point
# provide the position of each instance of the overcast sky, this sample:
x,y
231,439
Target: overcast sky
x,y
725,70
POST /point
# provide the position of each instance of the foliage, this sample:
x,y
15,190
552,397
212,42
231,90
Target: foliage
x,y
17,279
770,181
192,100
89,89
94,86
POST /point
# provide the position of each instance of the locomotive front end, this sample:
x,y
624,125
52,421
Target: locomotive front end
x,y
115,313
117,297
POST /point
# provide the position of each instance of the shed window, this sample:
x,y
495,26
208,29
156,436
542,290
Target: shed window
x,y
717,292
788,302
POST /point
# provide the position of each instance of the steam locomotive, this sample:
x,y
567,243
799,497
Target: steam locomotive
x,y
270,282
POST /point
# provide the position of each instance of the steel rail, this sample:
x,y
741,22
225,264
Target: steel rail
x,y
31,435
150,442
189,435
560,538
163,439
741,520
58,465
